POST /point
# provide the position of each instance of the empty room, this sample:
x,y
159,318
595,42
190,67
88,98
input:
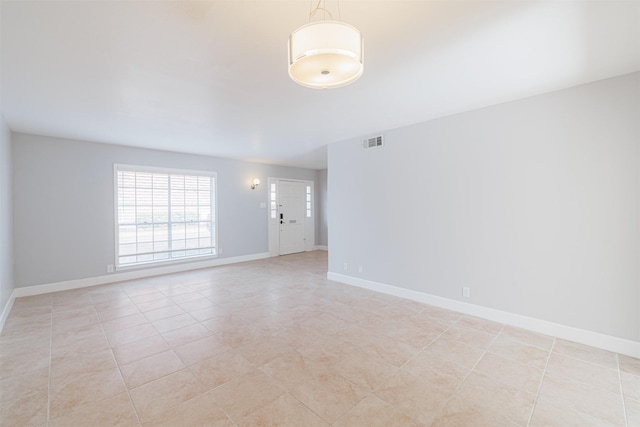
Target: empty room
x,y
320,213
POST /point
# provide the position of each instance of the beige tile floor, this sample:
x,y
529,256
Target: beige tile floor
x,y
273,343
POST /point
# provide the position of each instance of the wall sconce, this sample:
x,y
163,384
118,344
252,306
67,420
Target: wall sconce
x,y
256,182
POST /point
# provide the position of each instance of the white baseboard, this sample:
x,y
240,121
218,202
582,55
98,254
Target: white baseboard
x,y
130,275
594,339
7,309
321,248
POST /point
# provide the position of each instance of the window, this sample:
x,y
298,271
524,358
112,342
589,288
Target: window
x,y
272,199
163,215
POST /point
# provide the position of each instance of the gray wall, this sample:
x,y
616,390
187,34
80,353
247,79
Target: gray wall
x,y
533,204
64,207
321,208
6,216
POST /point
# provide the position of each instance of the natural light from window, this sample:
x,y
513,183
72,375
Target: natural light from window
x,y
164,215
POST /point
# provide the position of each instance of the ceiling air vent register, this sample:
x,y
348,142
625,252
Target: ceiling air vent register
x,y
373,142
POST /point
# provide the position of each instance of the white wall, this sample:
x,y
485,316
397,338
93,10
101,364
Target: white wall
x,y
321,208
533,204
6,216
64,213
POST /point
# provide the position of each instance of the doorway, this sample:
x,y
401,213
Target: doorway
x,y
291,216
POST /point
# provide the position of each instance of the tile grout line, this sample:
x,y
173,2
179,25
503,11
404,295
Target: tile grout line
x,y
50,366
624,406
486,350
172,349
372,390
423,349
367,394
165,340
317,414
135,410
588,362
627,408
544,373
290,392
413,356
187,366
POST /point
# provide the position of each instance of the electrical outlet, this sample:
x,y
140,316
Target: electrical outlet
x,y
359,268
345,266
110,268
466,292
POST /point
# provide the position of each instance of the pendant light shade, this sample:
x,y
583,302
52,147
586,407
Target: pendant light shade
x,y
325,54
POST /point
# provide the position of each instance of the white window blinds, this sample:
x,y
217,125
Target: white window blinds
x,y
164,215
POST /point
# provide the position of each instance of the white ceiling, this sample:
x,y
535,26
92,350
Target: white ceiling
x,y
210,77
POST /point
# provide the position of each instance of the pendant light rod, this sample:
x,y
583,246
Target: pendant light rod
x,y
325,10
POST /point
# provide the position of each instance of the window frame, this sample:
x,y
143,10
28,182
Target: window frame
x,y
117,167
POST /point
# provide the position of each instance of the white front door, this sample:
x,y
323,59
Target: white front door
x,y
292,213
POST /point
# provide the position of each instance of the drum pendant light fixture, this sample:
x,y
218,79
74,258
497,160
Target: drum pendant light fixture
x,y
325,54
